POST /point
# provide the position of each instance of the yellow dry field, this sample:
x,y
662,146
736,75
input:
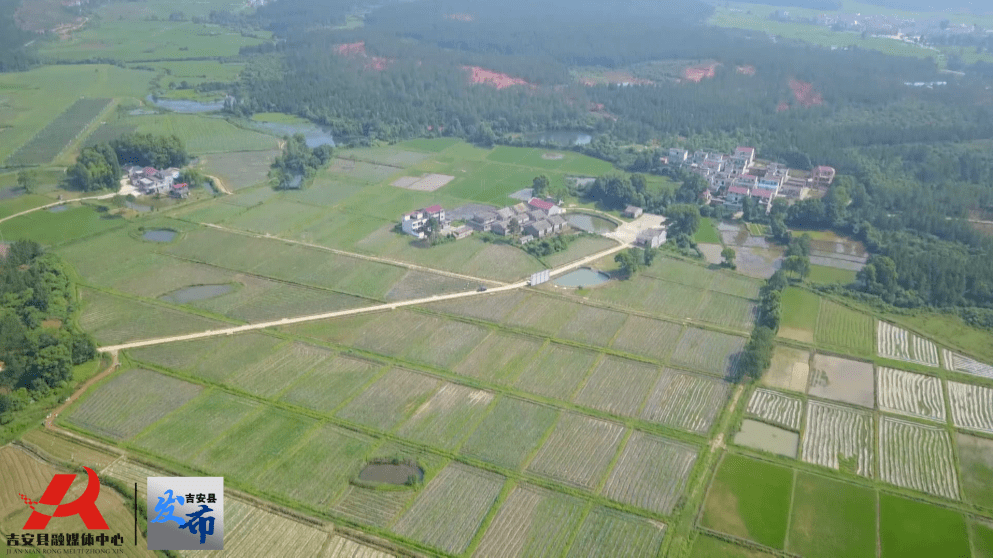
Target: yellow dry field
x,y
789,370
22,473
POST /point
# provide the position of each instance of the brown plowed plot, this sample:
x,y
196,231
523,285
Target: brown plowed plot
x,y
248,531
319,470
607,532
197,423
131,401
489,307
390,400
686,401
789,369
500,358
648,337
418,284
67,450
556,371
272,374
426,183
510,432
617,386
451,508
330,383
728,311
651,473
709,351
378,508
592,325
448,417
543,313
653,296
532,522
21,473
841,379
579,451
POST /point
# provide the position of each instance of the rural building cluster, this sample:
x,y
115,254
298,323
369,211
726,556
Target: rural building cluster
x,y
150,181
732,178
537,218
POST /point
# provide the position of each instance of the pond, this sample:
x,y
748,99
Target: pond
x,y
564,138
194,293
389,473
590,223
584,277
766,437
312,133
159,235
186,106
138,207
58,208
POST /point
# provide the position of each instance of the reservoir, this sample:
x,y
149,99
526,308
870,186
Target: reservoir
x,y
584,277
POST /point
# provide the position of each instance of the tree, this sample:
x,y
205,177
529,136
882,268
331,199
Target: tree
x,y
728,256
649,255
28,180
629,261
683,219
96,168
800,265
540,186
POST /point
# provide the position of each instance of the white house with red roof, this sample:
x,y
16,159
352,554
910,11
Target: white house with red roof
x,y
544,205
823,175
415,223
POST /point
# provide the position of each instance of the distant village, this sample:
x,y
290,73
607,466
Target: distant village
x,y
149,181
732,178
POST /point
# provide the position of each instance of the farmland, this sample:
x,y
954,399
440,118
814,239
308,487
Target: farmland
x,y
908,528
910,394
844,380
651,473
776,408
919,457
459,492
510,432
844,329
839,438
972,406
800,314
52,139
897,343
685,401
177,433
617,386
578,450
531,522
648,337
789,370
608,532
832,518
330,383
708,351
966,365
976,457
448,417
390,400
749,499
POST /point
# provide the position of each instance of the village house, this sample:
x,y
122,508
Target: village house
x,y
536,215
181,191
652,238
557,222
822,176
461,232
501,228
743,158
415,222
484,220
538,229
633,211
548,207
677,156
505,213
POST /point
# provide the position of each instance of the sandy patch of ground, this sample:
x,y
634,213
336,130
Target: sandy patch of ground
x,y
789,370
496,79
628,232
841,379
748,70
358,50
803,335
552,156
700,72
426,183
711,252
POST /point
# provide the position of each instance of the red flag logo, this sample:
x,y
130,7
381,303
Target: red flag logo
x,y
85,506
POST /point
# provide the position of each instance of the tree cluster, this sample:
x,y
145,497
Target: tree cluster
x,y
96,168
298,162
150,150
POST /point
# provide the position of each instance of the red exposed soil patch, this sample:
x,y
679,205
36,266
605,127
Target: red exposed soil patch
x,y
613,76
747,70
351,48
782,106
805,94
496,79
461,17
358,49
697,73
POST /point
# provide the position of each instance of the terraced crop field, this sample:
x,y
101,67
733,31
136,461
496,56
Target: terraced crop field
x,y
686,401
651,473
776,408
918,457
578,451
839,438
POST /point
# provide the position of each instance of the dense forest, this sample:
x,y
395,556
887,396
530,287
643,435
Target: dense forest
x,y
39,341
13,53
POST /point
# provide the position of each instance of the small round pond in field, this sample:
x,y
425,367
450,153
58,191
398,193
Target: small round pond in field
x,y
399,474
590,223
766,437
195,292
584,277
159,235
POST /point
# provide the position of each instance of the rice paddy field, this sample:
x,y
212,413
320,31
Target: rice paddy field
x,y
750,499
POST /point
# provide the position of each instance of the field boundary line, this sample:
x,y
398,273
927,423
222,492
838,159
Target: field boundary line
x,y
789,511
63,202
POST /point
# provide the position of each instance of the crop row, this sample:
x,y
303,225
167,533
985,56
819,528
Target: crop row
x,y
896,343
578,451
531,522
686,401
838,437
972,406
775,407
917,457
959,363
52,139
651,473
910,394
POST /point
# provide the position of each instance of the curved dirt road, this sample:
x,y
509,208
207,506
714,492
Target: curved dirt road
x,y
114,364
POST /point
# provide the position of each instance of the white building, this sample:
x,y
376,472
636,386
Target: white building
x,y
415,222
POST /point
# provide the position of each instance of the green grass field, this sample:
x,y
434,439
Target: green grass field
x,y
982,539
845,329
825,274
707,233
200,134
49,227
113,319
214,412
750,499
52,139
712,547
912,529
832,518
976,464
511,432
801,309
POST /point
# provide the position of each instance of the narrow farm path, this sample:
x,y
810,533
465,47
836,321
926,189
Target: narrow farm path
x,y
114,364
53,204
220,184
353,311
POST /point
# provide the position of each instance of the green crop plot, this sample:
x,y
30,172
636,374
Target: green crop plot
x,y
500,358
709,351
800,312
617,386
686,401
531,522
195,424
686,273
369,506
390,400
276,217
832,518
707,233
201,134
607,532
976,459
385,156
491,307
825,274
578,451
511,432
912,529
592,325
55,226
837,326
270,375
543,313
319,471
240,169
330,383
750,499
645,294
728,311
648,337
448,417
982,539
131,401
712,547
556,371
266,436
419,284
435,145
21,203
52,139
113,319
259,300
651,473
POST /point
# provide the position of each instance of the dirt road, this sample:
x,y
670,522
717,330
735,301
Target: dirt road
x,y
63,202
219,183
114,364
